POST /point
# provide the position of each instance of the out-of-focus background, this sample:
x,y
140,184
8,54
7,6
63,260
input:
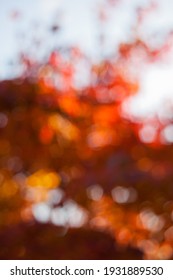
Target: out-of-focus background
x,y
21,22
86,129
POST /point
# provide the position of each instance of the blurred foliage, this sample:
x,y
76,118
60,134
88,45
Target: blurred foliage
x,y
73,166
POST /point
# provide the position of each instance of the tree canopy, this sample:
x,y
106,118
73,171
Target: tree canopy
x,y
73,166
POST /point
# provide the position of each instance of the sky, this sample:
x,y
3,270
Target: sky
x,y
79,19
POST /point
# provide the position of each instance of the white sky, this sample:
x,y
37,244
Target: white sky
x,y
80,27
